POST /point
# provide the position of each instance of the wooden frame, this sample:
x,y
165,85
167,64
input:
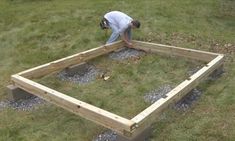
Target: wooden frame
x,y
126,127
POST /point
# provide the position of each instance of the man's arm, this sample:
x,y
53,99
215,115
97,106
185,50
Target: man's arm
x,y
125,38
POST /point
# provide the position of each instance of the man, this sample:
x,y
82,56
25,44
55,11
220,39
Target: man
x,y
121,25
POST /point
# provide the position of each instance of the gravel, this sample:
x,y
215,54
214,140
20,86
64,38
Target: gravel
x,y
84,75
216,74
125,53
4,104
106,136
156,94
182,105
186,102
212,77
22,105
109,135
191,71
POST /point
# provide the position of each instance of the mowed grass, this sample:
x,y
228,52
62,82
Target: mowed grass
x,y
130,80
34,32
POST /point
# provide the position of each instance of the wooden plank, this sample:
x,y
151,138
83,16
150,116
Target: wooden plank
x,y
90,112
70,60
147,117
128,128
177,51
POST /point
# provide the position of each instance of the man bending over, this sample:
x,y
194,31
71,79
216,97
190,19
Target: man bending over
x,y
121,25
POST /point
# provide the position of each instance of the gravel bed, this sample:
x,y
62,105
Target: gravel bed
x,y
185,103
213,76
191,71
109,135
125,53
156,94
4,104
106,136
87,72
22,105
181,105
216,74
83,76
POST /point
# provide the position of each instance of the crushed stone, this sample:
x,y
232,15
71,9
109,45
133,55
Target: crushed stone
x,y
22,105
191,71
213,76
83,76
182,105
186,102
125,53
4,104
156,94
216,74
108,135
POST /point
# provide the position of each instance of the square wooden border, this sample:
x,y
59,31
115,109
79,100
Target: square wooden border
x,y
123,126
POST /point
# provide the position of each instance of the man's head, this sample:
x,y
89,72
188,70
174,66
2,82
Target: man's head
x,y
135,24
104,24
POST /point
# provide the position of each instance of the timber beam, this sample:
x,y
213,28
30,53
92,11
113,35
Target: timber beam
x,y
128,128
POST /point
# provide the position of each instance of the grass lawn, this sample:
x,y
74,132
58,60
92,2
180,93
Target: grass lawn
x,y
34,32
130,80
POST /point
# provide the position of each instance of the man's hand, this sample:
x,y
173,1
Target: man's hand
x,y
124,37
129,44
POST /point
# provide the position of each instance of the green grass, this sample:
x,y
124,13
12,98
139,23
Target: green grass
x,y
34,32
129,81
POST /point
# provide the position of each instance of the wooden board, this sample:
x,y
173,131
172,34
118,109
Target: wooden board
x,y
69,61
90,112
147,117
176,51
126,127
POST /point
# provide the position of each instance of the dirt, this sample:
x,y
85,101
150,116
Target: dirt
x,y
228,49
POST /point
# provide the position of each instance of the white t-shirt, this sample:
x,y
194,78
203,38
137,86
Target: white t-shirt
x,y
119,19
